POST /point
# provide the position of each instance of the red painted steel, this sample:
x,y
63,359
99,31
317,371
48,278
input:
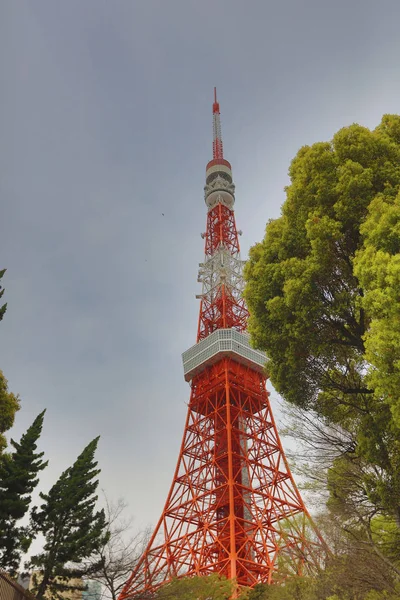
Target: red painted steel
x,y
218,150
233,507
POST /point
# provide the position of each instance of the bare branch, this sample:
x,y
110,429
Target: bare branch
x,y
114,561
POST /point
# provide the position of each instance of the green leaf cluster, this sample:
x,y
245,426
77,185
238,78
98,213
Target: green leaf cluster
x,y
323,289
294,588
347,577
377,267
208,587
9,405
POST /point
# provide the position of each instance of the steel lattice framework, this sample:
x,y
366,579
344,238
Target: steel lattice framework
x,y
233,507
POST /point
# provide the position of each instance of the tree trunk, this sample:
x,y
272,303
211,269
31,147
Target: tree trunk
x,y
43,586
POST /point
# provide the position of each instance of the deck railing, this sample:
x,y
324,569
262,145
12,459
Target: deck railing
x,y
11,590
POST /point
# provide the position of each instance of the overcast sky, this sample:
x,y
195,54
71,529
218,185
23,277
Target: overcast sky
x,y
105,131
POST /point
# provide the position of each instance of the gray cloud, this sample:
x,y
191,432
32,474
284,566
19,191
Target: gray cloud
x,y
105,124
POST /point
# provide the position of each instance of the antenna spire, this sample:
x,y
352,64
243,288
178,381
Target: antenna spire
x,y
218,151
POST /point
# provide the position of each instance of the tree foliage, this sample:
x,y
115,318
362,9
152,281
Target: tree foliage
x,y
9,405
201,588
323,289
356,575
72,529
294,588
18,479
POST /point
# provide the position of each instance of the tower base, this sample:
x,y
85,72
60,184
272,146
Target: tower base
x,y
233,507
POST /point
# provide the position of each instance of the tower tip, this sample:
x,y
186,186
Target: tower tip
x,y
216,103
217,138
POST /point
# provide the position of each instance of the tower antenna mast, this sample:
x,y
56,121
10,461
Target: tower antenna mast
x,y
218,151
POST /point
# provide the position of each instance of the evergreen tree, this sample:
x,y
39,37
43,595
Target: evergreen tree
x,y
18,479
71,527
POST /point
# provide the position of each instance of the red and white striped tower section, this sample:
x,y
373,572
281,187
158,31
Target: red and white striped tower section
x,y
233,507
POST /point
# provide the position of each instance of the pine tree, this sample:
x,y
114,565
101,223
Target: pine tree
x,y
71,527
18,479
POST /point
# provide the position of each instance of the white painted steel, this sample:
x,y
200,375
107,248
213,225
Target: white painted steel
x,y
219,190
221,268
222,343
218,168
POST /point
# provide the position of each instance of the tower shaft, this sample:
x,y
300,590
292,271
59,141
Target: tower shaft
x,y
233,507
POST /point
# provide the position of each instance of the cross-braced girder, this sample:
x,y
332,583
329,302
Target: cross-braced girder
x,y
233,507
222,304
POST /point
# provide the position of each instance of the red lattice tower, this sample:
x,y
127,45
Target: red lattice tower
x,y
233,507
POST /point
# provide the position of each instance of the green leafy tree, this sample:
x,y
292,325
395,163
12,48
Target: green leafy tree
x,y
357,574
18,479
199,588
72,529
294,588
323,290
9,404
377,266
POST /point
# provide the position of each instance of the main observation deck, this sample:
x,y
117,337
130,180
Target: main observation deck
x,y
220,344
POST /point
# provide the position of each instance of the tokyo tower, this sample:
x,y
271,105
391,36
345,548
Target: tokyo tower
x,y
233,507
